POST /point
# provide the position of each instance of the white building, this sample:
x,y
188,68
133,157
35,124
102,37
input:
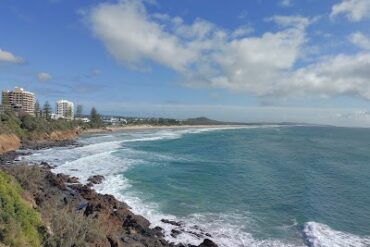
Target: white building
x,y
64,109
83,119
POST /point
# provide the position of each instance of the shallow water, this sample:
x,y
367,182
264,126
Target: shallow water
x,y
265,186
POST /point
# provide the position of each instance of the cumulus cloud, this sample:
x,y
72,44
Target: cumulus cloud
x,y
354,10
360,40
207,55
337,75
132,37
8,57
43,76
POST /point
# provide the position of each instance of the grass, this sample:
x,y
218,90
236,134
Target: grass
x,y
20,224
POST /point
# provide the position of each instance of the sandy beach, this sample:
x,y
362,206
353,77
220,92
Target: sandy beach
x,y
151,127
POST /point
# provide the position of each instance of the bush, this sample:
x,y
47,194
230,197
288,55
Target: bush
x,y
69,227
19,222
25,125
10,124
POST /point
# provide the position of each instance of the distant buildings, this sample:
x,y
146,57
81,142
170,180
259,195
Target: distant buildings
x,y
64,109
110,120
83,119
19,101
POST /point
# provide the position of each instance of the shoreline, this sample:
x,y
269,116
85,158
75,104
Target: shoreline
x,y
154,127
147,231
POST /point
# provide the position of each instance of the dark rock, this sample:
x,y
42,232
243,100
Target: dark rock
x,y
72,180
175,233
97,179
44,144
137,224
112,241
171,222
8,157
158,231
195,234
43,163
207,243
57,180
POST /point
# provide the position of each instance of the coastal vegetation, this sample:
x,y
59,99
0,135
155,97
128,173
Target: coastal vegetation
x,y
25,125
20,224
39,208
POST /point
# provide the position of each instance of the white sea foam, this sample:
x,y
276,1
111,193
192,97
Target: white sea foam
x,y
320,235
225,229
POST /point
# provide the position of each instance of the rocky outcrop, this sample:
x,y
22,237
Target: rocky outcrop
x,y
117,225
96,179
9,142
47,140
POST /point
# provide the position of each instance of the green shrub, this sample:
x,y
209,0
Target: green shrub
x,y
25,125
19,222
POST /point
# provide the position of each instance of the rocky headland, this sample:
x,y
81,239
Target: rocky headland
x,y
74,214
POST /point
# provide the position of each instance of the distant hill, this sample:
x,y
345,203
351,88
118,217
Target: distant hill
x,y
199,121
203,121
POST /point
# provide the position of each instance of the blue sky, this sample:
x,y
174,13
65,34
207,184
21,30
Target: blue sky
x,y
256,60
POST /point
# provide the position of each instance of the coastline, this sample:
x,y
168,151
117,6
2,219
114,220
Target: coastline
x,y
154,127
136,227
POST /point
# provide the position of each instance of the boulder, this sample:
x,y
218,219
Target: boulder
x,y
96,179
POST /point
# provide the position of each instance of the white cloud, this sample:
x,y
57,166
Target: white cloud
x,y
360,40
43,76
291,21
338,75
286,3
207,55
132,37
8,57
242,31
354,10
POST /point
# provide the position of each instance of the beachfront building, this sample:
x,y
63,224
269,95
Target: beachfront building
x,y
83,119
19,100
64,109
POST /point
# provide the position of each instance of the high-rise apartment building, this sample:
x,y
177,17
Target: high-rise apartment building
x,y
19,100
64,109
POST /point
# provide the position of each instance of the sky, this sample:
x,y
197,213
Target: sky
x,y
251,61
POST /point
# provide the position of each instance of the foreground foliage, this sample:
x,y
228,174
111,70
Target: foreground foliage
x,y
20,224
66,226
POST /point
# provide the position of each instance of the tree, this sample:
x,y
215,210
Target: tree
x,y
46,110
95,118
79,110
37,109
29,123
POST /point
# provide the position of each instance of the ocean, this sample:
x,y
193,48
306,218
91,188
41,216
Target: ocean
x,y
252,186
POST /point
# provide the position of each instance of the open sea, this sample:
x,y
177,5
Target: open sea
x,y
253,186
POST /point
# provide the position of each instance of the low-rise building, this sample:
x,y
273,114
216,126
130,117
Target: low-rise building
x,y
64,109
83,119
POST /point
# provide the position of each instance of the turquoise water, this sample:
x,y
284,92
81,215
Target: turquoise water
x,y
276,186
